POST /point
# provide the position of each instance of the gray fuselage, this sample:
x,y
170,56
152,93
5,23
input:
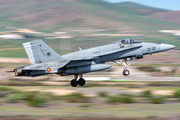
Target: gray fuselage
x,y
44,60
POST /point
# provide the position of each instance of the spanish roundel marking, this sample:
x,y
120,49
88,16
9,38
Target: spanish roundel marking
x,y
48,69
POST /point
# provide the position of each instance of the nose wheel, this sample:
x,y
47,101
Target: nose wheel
x,y
75,82
125,65
126,72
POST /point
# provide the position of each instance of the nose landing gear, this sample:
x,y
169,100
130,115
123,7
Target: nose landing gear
x,y
125,65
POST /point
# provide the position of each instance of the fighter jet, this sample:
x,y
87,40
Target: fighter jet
x,y
45,60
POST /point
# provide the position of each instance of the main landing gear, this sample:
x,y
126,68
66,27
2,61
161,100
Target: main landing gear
x,y
125,65
75,82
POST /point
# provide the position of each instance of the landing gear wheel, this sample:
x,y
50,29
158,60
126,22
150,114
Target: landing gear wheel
x,y
126,72
81,82
125,65
74,83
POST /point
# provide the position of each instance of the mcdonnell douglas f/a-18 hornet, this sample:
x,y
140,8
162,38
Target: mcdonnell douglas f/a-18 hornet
x,y
45,60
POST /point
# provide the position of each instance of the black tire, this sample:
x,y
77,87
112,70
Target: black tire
x,y
74,83
81,82
126,72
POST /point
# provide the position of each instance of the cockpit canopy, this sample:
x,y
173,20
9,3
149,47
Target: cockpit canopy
x,y
126,41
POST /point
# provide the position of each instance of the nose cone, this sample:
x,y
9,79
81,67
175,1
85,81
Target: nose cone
x,y
165,47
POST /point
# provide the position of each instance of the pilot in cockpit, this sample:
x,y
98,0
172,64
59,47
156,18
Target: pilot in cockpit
x,y
126,41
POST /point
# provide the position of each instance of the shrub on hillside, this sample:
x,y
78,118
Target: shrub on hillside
x,y
14,98
157,99
102,94
114,99
36,99
127,99
76,97
4,91
4,88
121,99
177,94
148,69
21,83
146,93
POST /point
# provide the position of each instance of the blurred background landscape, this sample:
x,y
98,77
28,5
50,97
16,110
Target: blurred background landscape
x,y
150,92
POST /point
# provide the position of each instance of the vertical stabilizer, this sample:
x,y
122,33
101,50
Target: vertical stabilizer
x,y
40,52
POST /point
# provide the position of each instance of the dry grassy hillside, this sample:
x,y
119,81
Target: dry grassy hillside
x,y
57,14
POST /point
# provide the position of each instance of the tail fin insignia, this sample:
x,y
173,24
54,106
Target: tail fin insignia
x,y
40,52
